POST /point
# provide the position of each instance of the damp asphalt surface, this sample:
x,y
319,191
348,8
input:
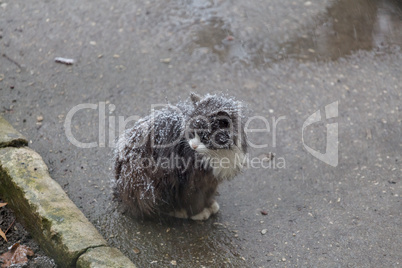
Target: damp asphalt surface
x,y
285,59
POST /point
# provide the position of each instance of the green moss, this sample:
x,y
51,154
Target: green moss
x,y
9,137
104,257
43,207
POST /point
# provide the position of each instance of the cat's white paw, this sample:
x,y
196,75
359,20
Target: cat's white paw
x,y
181,214
203,215
214,208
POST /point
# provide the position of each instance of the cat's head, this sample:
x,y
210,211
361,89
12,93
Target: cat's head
x,y
215,123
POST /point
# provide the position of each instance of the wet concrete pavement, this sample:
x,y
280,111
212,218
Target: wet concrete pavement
x,y
284,59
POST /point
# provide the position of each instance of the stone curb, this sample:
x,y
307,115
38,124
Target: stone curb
x,y
96,258
9,136
40,203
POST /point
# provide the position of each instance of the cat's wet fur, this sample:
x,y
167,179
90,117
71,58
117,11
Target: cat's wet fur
x,y
163,165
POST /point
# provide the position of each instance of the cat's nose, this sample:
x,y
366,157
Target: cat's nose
x,y
194,146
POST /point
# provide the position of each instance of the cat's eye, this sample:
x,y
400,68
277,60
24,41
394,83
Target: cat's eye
x,y
203,135
222,139
190,134
223,123
222,120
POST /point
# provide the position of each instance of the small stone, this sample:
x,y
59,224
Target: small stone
x,y
39,118
283,259
166,60
264,231
308,3
65,61
92,43
264,212
136,250
173,262
368,134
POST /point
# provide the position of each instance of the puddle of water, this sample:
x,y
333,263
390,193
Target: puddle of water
x,y
346,27
349,26
215,36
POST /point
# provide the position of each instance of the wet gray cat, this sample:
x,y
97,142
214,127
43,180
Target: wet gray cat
x,y
172,161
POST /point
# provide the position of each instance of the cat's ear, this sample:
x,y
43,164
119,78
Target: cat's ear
x,y
195,98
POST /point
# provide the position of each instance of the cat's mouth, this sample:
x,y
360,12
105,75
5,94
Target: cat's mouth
x,y
196,144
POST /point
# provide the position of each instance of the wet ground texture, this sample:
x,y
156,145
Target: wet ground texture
x,y
282,58
16,233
